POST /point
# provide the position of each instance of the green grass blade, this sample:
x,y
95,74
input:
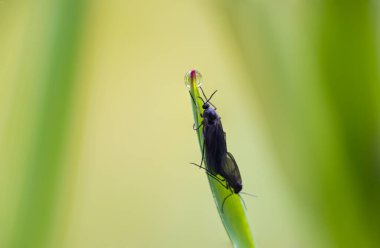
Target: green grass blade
x,y
233,216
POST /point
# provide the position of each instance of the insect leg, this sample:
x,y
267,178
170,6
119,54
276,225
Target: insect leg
x,y
219,180
203,152
200,166
203,155
224,201
192,98
194,128
208,171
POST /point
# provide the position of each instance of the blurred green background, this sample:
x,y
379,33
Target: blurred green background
x,y
96,124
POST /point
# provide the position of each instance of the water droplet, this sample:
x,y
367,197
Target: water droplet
x,y
193,75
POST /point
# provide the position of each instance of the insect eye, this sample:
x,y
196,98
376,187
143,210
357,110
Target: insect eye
x,y
205,106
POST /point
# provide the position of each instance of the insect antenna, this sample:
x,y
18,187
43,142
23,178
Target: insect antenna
x,y
242,199
208,99
245,206
245,193
213,106
203,93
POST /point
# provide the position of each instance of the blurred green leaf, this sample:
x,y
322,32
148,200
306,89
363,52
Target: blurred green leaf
x,y
55,85
318,80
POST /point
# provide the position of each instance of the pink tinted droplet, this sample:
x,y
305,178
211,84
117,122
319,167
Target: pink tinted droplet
x,y
193,76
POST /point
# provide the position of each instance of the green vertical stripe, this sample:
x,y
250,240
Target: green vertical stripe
x,y
349,69
45,164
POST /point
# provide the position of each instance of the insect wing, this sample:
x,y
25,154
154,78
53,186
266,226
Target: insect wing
x,y
216,147
230,171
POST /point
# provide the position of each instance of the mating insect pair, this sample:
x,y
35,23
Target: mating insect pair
x,y
219,160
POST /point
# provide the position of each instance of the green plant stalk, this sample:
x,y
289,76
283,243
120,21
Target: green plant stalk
x,y
233,216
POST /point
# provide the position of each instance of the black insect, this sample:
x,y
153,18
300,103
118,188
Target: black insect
x,y
219,160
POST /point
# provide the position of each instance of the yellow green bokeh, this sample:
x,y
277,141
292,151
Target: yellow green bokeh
x,y
96,128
